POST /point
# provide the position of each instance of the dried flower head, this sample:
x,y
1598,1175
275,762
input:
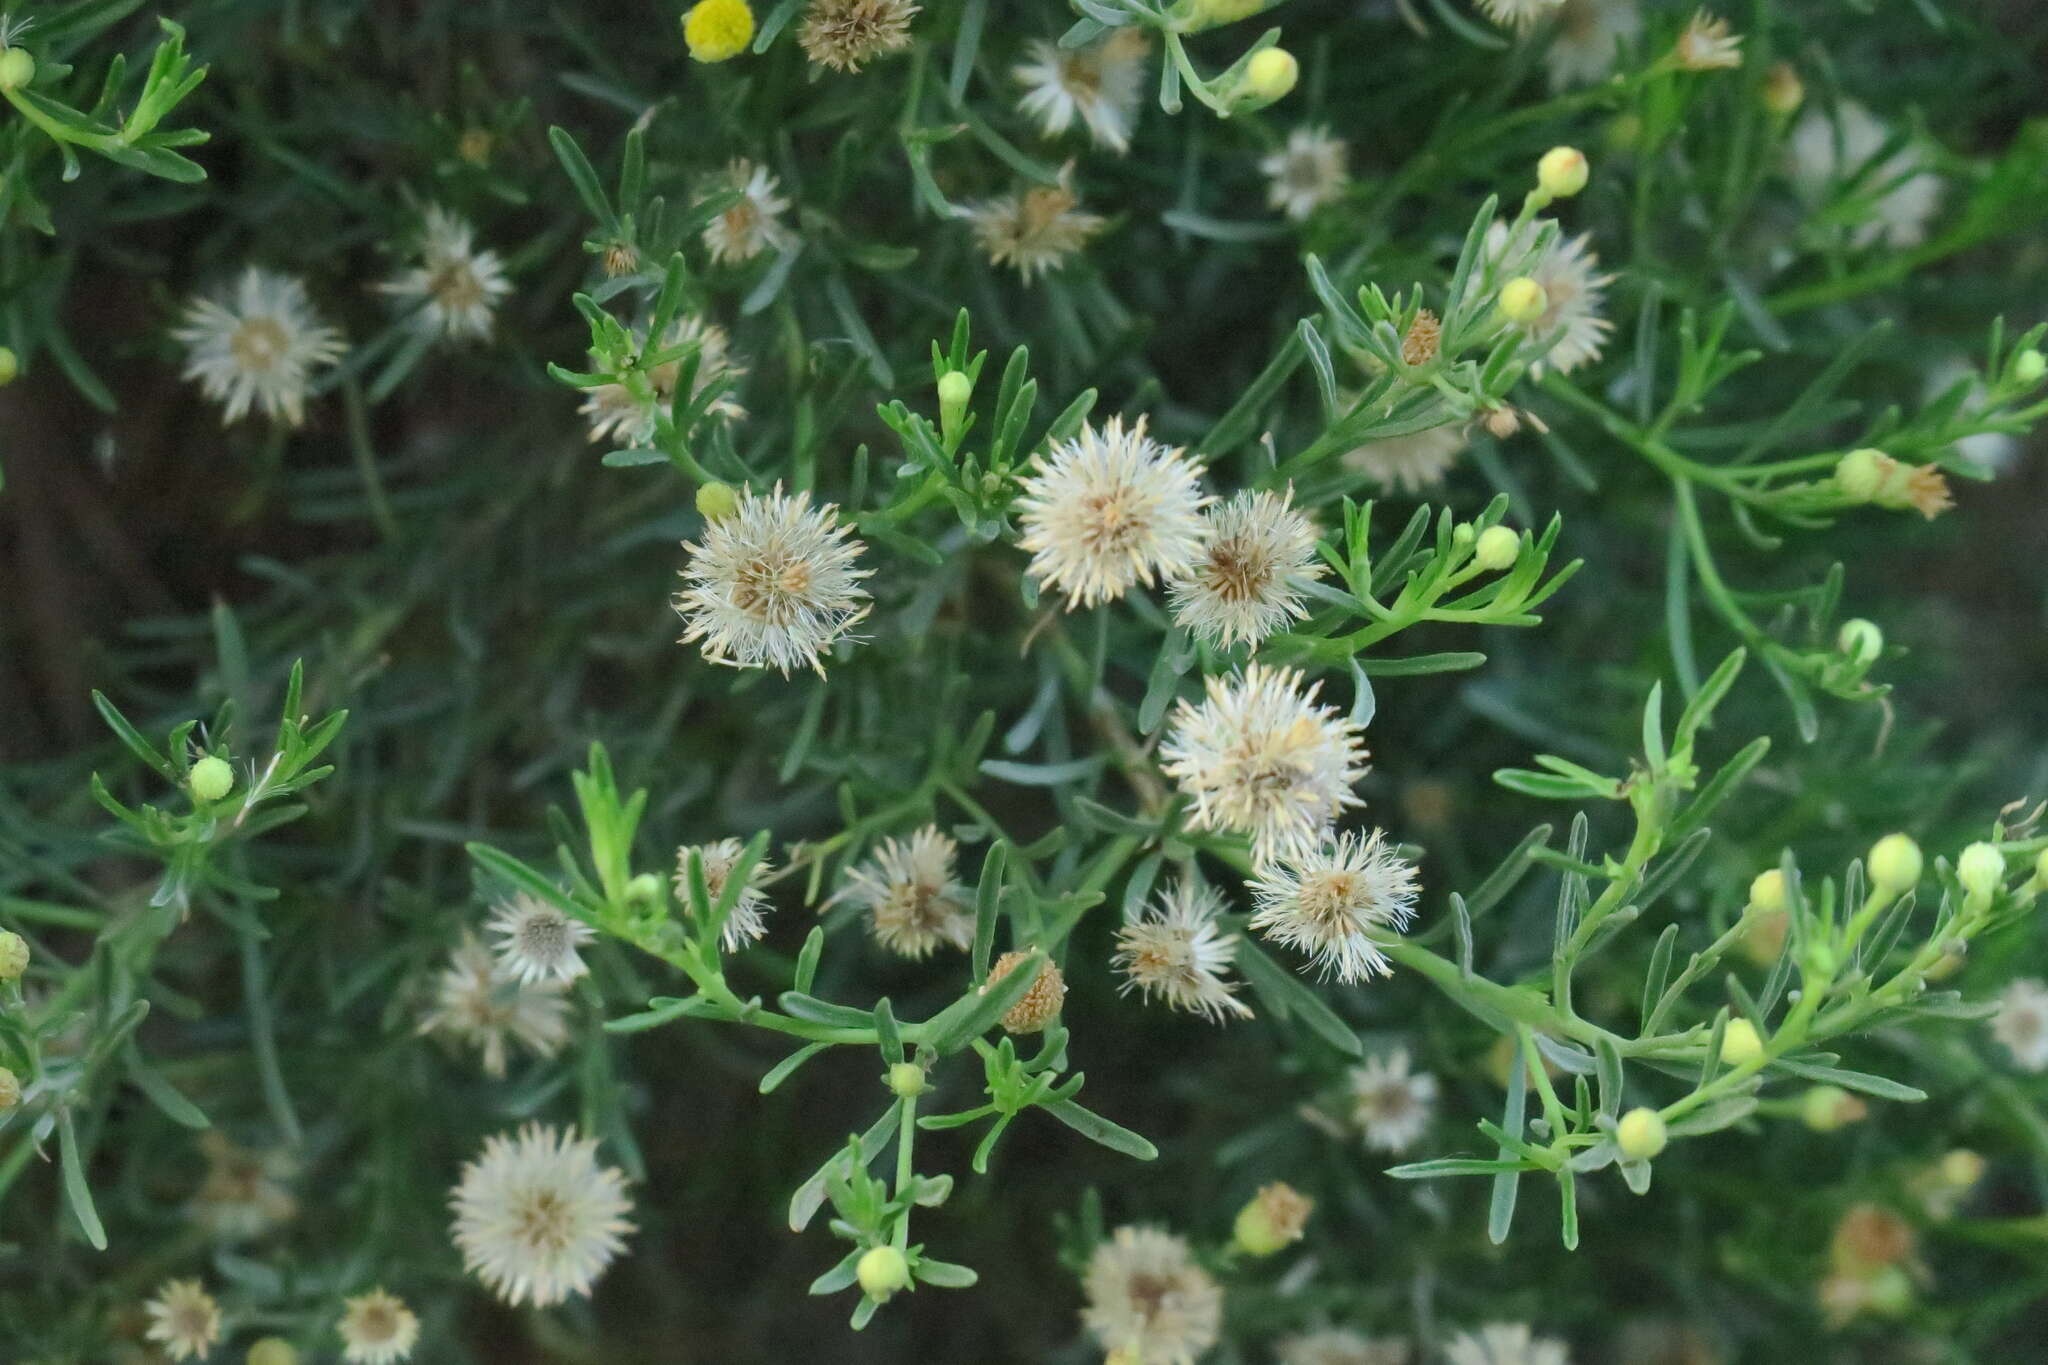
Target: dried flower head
x,y
615,414
1573,294
480,1004
1339,1346
1174,951
1519,15
1100,83
1275,1217
1391,1106
1261,759
538,941
754,223
454,289
1149,1300
1330,903
1410,463
914,904
2021,1023
1589,37
1868,1237
1035,229
773,584
1245,584
1504,1343
183,1319
1306,173
1707,44
748,920
1828,155
536,1218
1040,1004
1423,339
846,34
258,346
243,1194
1108,509
377,1329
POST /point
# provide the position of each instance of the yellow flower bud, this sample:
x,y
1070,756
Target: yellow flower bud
x,y
1826,1108
1562,172
907,1079
1981,870
273,1351
1640,1134
1740,1043
13,955
1270,74
1783,91
955,388
882,1271
1497,547
1273,1219
1895,864
717,501
2029,366
1860,473
718,30
17,68
1961,1168
1767,892
1763,935
210,779
1523,300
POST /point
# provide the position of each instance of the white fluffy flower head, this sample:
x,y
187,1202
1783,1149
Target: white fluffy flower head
x,y
748,919
1573,293
1390,1105
1826,154
1175,952
1307,173
1330,904
1519,15
1410,463
377,1329
454,289
2022,1023
538,941
616,415
258,346
1034,230
754,223
183,1319
1589,37
481,1005
1149,1300
1109,509
1101,84
1257,551
537,1218
1261,759
772,584
1504,1343
914,904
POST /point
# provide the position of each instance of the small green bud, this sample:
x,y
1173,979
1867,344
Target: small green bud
x,y
1267,77
1861,473
1783,91
273,1351
1196,15
1861,641
907,1079
882,1271
1640,1134
717,501
645,889
955,388
1895,864
1981,870
1767,892
17,68
1273,1220
1562,172
1497,548
10,365
1961,1168
210,779
1826,1108
10,1090
1740,1043
2029,366
13,955
1523,300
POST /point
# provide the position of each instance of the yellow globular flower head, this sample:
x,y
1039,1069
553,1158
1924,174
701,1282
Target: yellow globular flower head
x,y
906,1079
1767,891
1895,864
211,778
1826,1108
882,1271
13,955
717,501
1522,299
1741,1043
1497,547
718,30
2030,366
17,68
1562,172
1981,870
1641,1134
1268,76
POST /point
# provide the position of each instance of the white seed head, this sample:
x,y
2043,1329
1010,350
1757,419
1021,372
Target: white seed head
x,y
1306,173
1331,903
183,1319
258,346
481,1005
537,1219
754,223
2021,1023
1573,294
1245,582
914,904
1110,509
748,919
1149,1300
377,1329
773,584
453,290
1101,84
1175,952
538,941
1391,1106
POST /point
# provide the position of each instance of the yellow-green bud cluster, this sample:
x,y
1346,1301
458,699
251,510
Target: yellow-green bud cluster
x,y
1641,1134
210,779
1895,864
13,955
882,1271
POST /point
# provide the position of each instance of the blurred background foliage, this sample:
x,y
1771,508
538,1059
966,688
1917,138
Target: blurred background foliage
x,y
442,547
